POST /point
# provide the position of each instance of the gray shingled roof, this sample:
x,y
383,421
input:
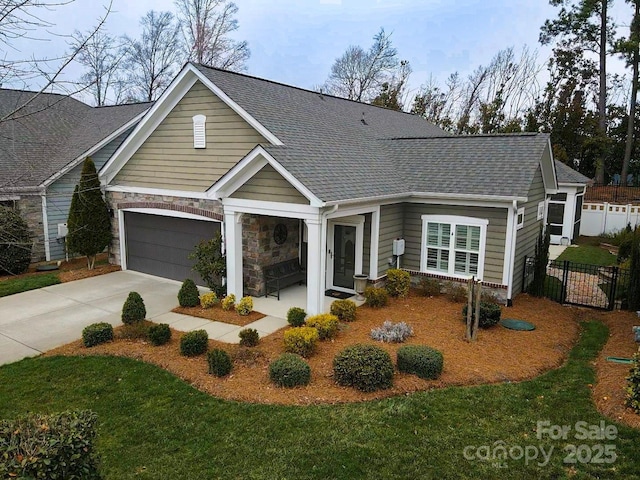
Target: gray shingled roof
x,y
52,131
566,174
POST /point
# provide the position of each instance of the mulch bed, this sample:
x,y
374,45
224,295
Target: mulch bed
x,y
608,393
499,354
74,269
217,314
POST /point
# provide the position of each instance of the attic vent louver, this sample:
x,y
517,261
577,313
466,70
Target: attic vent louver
x,y
199,131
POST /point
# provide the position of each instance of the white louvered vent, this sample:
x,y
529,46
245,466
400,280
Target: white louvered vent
x,y
199,131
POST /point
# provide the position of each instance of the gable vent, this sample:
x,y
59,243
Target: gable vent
x,y
199,131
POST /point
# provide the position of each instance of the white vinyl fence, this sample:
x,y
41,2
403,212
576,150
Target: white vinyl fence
x,y
600,218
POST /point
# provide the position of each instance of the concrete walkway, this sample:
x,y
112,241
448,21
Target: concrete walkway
x,y
40,320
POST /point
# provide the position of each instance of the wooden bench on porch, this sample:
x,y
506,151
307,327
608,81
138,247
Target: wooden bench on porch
x,y
282,274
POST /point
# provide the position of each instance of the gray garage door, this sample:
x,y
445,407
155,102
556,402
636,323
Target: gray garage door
x,y
160,245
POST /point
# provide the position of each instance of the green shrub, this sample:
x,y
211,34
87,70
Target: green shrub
x,y
420,360
489,314
398,282
456,292
188,296
326,324
345,310
219,362
133,310
428,287
301,340
249,337
289,370
210,263
375,297
159,334
244,306
633,385
296,316
15,256
208,300
59,445
194,343
97,333
228,302
487,296
365,367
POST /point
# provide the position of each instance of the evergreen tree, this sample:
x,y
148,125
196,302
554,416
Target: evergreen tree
x,y
633,294
89,224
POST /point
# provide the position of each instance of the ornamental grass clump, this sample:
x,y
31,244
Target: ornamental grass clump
x,y
208,300
326,324
296,316
420,360
392,332
133,310
301,340
365,367
289,371
228,302
244,306
188,296
345,310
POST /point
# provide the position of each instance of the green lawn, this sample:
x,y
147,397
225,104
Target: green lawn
x,y
152,425
588,254
22,284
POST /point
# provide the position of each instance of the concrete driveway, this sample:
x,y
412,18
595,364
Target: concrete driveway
x,y
39,320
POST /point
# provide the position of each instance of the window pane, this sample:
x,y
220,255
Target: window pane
x,y
437,259
467,237
555,214
438,234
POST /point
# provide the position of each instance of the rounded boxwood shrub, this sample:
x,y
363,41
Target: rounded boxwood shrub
x,y
159,334
289,370
188,296
375,297
489,314
398,282
133,310
249,337
365,367
219,362
420,360
97,333
296,316
301,340
345,310
194,343
15,255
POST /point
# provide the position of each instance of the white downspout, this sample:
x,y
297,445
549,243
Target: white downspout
x,y
45,226
512,260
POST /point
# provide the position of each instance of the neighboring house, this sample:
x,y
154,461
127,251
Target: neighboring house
x,y
288,173
565,207
42,147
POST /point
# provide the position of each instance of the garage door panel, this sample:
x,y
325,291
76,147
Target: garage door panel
x,y
166,238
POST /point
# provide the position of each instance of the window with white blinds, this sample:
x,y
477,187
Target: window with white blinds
x,y
199,131
453,245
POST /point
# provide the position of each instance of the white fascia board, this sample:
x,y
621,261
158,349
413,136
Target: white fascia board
x,y
158,191
273,209
576,185
551,167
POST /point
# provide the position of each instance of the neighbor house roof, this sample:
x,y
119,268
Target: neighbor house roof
x,y
52,131
566,174
341,149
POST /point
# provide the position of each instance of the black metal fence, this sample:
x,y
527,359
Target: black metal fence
x,y
613,194
582,284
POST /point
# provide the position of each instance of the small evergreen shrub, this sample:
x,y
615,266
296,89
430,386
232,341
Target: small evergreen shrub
x,y
15,255
296,316
489,297
365,367
188,296
301,340
159,334
326,324
59,445
633,385
97,333
244,306
208,300
345,310
392,332
194,343
428,287
375,297
398,282
456,292
420,360
133,310
249,337
219,362
489,314
289,370
228,302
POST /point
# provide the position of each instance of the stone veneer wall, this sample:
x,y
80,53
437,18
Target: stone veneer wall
x,y
30,209
259,249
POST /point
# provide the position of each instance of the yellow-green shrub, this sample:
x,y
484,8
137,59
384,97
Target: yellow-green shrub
x,y
228,302
301,340
326,324
244,306
375,297
398,282
208,300
345,310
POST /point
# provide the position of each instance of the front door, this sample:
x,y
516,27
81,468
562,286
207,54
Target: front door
x,y
344,252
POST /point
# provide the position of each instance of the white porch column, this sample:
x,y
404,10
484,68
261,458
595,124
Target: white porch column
x,y
315,266
233,244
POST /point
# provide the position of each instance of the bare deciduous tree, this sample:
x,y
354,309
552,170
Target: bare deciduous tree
x,y
207,26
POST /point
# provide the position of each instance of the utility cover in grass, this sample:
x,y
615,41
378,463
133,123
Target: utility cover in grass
x,y
513,324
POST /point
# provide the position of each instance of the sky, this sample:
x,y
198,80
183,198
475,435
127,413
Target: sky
x,y
296,41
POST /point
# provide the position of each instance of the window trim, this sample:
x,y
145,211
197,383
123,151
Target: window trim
x,y
454,221
541,208
520,224
199,121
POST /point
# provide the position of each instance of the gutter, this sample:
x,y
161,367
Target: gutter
x,y
25,190
435,196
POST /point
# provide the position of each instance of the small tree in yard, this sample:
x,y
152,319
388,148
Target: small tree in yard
x,y
211,264
633,294
89,224
15,242
540,263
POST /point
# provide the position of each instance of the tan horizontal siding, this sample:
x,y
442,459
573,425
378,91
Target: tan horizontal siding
x,y
167,158
269,185
391,226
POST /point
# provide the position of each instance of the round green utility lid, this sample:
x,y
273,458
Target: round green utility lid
x,y
514,324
